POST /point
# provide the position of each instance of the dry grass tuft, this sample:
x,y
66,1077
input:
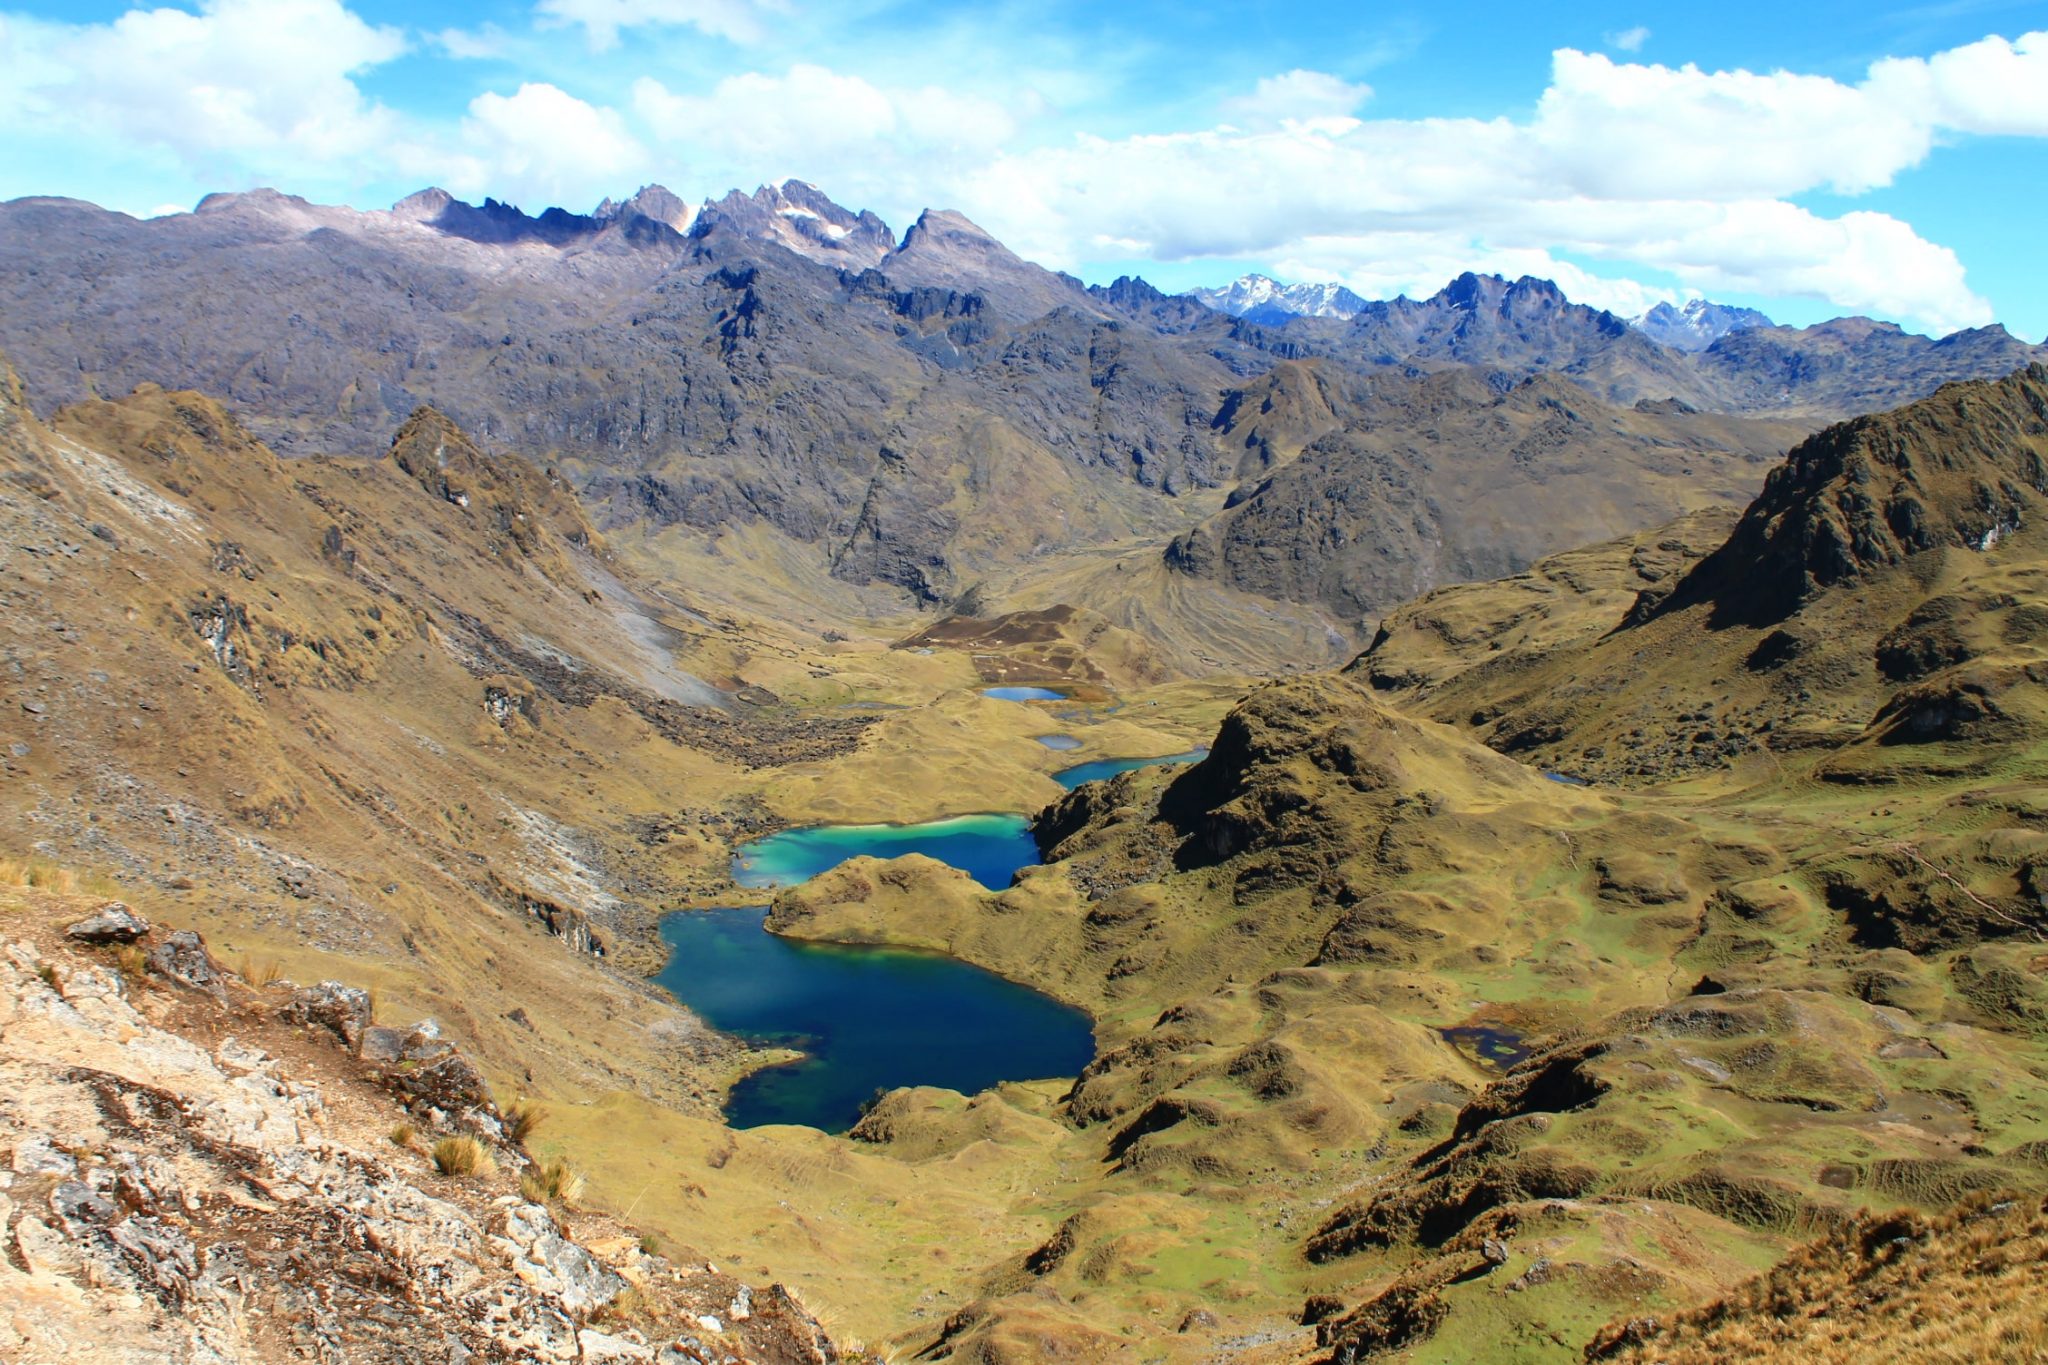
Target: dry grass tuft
x,y
403,1135
463,1156
552,1182
131,961
522,1117
259,971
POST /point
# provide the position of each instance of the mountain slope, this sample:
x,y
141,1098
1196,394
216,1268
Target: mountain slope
x,y
1395,486
1880,590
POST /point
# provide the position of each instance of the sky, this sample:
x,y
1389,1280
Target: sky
x,y
1811,159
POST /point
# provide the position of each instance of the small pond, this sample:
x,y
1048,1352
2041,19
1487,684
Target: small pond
x,y
1489,1046
988,848
1060,743
867,1018
1073,777
1566,778
1023,694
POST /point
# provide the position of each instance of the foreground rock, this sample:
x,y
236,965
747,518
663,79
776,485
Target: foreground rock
x,y
112,923
168,1199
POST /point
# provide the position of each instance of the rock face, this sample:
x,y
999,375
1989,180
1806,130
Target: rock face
x,y
1361,496
1958,471
165,1199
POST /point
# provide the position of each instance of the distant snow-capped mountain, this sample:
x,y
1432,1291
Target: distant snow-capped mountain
x,y
1267,300
1698,325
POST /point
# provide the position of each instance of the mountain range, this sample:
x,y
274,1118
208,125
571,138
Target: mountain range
x,y
881,410
1599,851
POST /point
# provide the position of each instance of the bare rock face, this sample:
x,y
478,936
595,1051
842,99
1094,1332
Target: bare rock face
x,y
167,1200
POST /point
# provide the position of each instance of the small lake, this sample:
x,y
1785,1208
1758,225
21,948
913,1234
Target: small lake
x,y
989,848
1566,778
1073,777
1498,1048
868,1018
1061,743
1023,694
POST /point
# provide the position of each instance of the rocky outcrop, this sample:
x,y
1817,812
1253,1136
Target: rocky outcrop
x,y
175,1189
1958,471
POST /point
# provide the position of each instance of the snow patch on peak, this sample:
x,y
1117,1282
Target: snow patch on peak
x,y
1697,325
1264,299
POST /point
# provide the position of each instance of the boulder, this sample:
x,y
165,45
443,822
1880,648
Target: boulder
x,y
111,923
342,1010
182,959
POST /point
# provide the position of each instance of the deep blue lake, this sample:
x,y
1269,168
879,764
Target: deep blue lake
x,y
1023,694
1073,777
987,847
868,1018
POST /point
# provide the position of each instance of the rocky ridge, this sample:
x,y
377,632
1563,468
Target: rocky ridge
x,y
204,1169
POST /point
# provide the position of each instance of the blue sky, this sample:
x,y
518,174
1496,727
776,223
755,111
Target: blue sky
x,y
1810,159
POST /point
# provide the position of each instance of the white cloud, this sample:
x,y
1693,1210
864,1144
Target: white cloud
x,y
1675,170
541,146
1296,96
862,142
486,42
270,82
1629,39
742,21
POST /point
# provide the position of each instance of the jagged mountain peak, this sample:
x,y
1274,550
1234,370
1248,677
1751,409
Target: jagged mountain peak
x,y
945,248
655,202
1697,325
1263,299
799,216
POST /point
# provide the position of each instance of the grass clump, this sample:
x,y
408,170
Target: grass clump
x,y
461,1156
402,1135
131,961
552,1182
259,972
522,1117
650,1244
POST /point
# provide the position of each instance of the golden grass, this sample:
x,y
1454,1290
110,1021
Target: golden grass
x,y
1888,1289
259,972
402,1135
462,1156
522,1117
552,1182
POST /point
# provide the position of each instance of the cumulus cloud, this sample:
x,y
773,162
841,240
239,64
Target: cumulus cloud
x,y
544,146
852,136
270,81
1676,170
742,21
1297,96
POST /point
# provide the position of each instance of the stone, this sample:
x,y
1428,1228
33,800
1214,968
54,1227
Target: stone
x,y
111,923
342,1010
602,1348
1495,1251
1200,1320
555,1266
183,960
382,1043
